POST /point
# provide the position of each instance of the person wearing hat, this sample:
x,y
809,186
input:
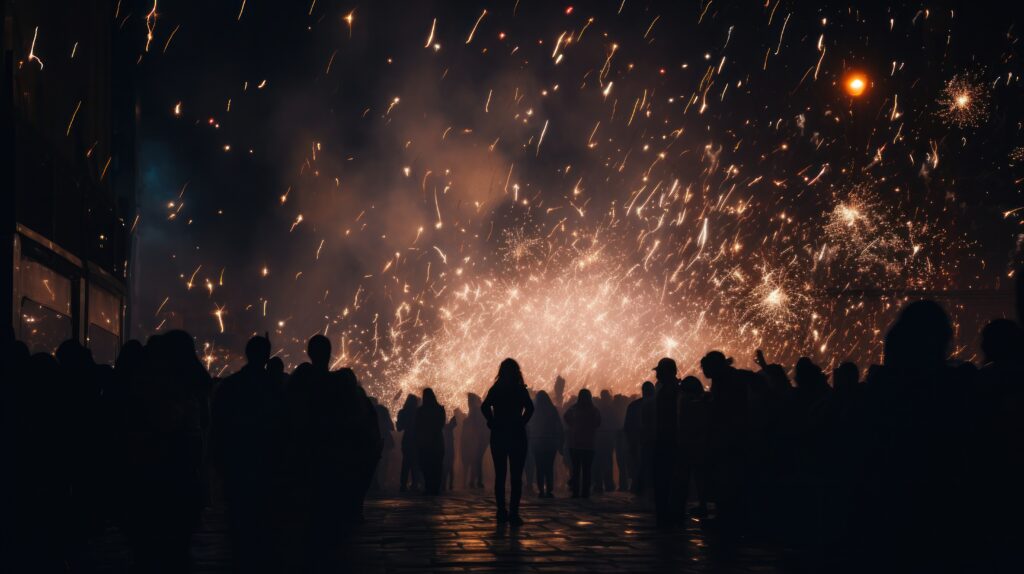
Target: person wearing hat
x,y
665,400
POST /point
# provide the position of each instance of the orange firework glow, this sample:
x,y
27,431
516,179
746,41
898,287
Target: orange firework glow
x,y
855,84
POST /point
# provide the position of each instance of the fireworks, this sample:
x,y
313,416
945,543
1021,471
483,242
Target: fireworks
x,y
581,199
964,102
855,84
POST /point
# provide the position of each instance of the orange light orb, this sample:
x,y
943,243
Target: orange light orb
x,y
856,84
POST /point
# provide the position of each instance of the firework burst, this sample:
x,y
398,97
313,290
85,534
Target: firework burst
x,y
964,101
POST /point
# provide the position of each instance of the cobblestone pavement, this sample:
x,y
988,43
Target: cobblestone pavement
x,y
603,534
457,533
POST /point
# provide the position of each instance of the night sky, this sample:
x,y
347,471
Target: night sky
x,y
585,186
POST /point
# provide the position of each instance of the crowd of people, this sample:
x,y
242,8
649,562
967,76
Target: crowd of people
x,y
914,460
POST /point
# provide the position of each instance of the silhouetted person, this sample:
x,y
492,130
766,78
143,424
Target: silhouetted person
x,y
845,377
546,436
918,444
39,471
665,455
508,409
166,483
430,423
448,469
604,444
299,468
366,442
474,443
406,424
623,457
633,428
582,419
246,445
386,429
727,438
998,472
693,418
275,368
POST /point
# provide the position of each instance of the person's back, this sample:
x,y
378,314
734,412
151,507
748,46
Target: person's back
x,y
545,427
917,440
508,408
168,488
473,442
406,423
582,421
246,441
247,424
429,431
999,469
429,426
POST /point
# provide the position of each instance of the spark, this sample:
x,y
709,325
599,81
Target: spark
x,y
349,19
219,314
32,49
430,37
73,116
150,25
540,140
473,31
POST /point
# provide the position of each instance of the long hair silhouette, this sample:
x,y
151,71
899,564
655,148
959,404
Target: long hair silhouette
x,y
509,376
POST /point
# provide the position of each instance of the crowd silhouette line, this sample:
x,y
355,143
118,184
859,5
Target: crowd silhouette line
x,y
918,464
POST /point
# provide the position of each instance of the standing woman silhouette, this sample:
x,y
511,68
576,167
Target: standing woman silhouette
x,y
507,409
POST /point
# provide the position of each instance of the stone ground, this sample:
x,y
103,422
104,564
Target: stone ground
x,y
457,533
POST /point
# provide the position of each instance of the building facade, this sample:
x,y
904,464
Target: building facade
x,y
67,194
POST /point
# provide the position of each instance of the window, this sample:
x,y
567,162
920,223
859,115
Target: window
x,y
42,328
45,307
104,333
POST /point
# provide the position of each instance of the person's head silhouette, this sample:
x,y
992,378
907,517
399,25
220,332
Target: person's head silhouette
x,y
585,399
347,377
543,400
131,357
666,370
715,364
920,338
411,402
776,376
691,384
509,375
429,398
845,375
319,351
1002,340
647,389
275,366
809,376
257,351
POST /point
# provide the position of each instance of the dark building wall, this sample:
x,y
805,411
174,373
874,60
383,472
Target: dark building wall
x,y
68,137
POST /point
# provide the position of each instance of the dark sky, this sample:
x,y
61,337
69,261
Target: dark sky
x,y
759,144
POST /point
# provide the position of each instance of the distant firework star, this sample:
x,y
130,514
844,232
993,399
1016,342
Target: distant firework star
x,y
964,102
